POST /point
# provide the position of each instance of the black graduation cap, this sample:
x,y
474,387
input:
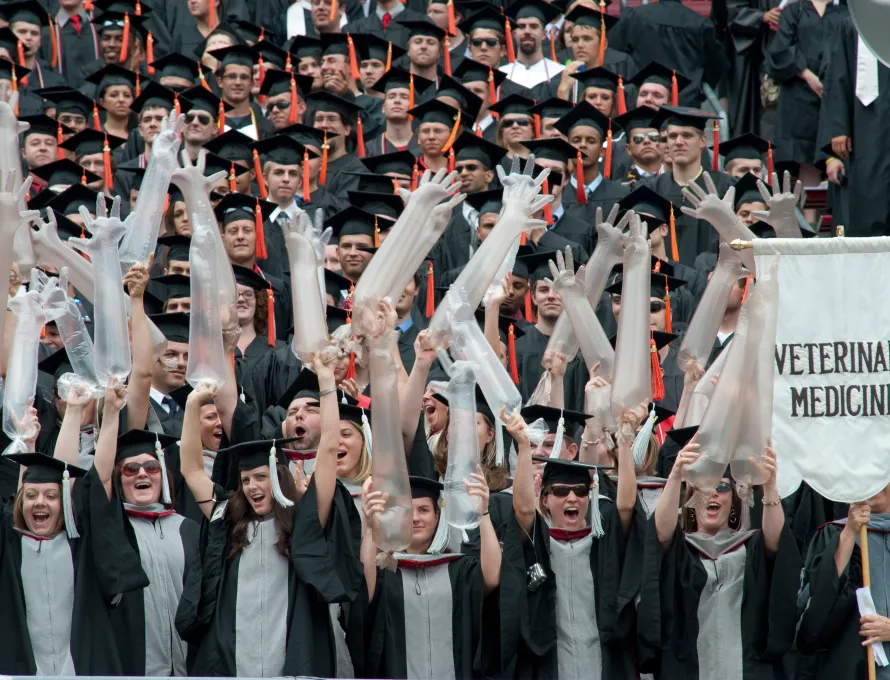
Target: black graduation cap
x,y
335,43
7,68
488,17
658,280
222,28
231,145
582,15
434,111
178,247
336,317
421,27
485,202
73,198
248,277
56,364
513,103
116,21
89,141
552,148
304,387
470,147
174,286
306,135
762,230
640,117
662,339
277,82
746,191
240,55
386,204
28,11
354,414
397,162
124,6
599,77
583,113
534,265
543,11
154,94
372,182
305,46
248,31
423,487
468,101
551,108
271,53
43,125
282,149
353,221
558,471
67,100
399,79
683,116
748,146
8,39
653,72
682,435
335,284
254,454
174,326
504,324
648,203
43,469
236,206
470,71
203,99
175,65
111,75
370,46
552,415
331,103
136,442
65,171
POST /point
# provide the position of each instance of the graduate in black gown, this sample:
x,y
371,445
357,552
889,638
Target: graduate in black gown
x,y
718,599
426,615
256,317
276,555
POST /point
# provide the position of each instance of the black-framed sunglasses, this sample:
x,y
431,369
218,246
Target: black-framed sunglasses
x,y
280,105
723,487
581,490
203,119
639,138
656,306
488,42
510,122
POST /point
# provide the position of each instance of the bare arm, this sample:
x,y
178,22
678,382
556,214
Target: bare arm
x,y
68,441
372,503
412,395
106,445
142,351
858,516
626,496
490,549
226,399
692,375
773,514
524,503
325,475
191,450
668,504
556,364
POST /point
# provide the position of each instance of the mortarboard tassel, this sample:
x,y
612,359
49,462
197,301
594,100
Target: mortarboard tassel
x,y
411,90
292,112
306,192
211,11
261,252
288,66
451,159
415,172
106,164
125,40
68,506
83,180
675,90
20,49
15,88
601,56
43,332
478,130
430,307
668,315
176,105
715,150
150,52
261,67
97,122
350,370
258,169
657,382
166,498
769,159
221,117
557,439
511,355
675,251
277,493
233,187
60,138
596,517
446,56
537,122
54,40
747,288
492,90
367,434
395,186
138,85
323,173
333,15
554,33
388,56
529,314
360,138
454,129
353,61
262,34
548,213
452,26
376,233
581,189
641,442
270,317
607,170
508,29
88,5
138,9
523,238
202,78
622,103
166,203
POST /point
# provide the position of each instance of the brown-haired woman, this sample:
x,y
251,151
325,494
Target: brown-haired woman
x,y
275,555
253,316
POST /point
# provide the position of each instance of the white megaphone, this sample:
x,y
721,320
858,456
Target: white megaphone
x,y
872,21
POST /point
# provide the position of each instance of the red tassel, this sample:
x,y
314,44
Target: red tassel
x,y
529,314
258,169
43,332
323,173
221,117
233,186
106,164
478,130
138,9
675,90
430,292
211,19
511,53
411,90
54,62
415,174
581,189
270,317
176,105
333,15
125,40
675,250
537,120
622,103
607,171
360,138
548,213
451,159
769,160
350,371
747,288
306,193
454,130
150,52
668,316
261,253
388,57
554,34
97,122
601,56
20,49
492,90
446,56
715,150
511,354
261,67
452,26
376,233
60,152
203,79
353,62
657,381
292,112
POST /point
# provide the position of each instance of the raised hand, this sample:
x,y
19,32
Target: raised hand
x,y
515,425
708,205
136,279
203,393
781,203
564,277
194,173
521,189
75,391
115,395
168,140
432,188
477,487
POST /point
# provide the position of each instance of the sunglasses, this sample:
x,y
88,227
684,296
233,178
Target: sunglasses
x,y
521,122
581,490
656,306
152,468
283,104
201,118
488,42
653,137
723,487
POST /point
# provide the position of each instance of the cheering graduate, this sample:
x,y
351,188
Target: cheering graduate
x,y
276,553
718,599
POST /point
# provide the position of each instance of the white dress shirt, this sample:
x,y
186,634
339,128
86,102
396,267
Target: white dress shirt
x,y
529,76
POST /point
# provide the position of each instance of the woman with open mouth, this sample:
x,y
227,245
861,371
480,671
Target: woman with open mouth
x,y
719,599
277,551
354,450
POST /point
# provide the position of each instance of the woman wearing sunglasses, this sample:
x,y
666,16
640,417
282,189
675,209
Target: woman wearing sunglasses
x,y
150,624
718,598
515,124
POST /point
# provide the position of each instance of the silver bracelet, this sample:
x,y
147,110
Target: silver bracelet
x,y
326,392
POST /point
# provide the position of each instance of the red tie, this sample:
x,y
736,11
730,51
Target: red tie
x,y
387,17
75,21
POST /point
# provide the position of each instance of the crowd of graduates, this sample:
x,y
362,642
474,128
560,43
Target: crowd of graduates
x,y
231,529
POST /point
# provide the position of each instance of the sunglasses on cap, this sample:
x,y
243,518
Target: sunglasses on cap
x,y
488,42
639,138
202,118
581,490
152,468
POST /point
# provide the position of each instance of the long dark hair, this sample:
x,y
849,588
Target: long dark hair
x,y
688,523
241,513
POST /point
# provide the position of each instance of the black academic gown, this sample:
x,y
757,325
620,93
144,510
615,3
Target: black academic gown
x,y
577,231
271,377
396,33
323,568
378,144
259,347
104,567
607,193
615,60
42,76
338,182
170,422
673,581
693,236
672,377
76,47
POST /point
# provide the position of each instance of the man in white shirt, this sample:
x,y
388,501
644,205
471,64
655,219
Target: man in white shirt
x,y
529,17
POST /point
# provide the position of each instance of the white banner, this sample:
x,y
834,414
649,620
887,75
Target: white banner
x,y
831,402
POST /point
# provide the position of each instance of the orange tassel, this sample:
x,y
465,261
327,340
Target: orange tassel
x,y
715,150
59,139
306,193
83,177
415,173
262,34
675,90
537,121
607,171
292,112
150,52
233,186
323,173
43,332
511,353
554,34
221,117
333,15
260,180
492,90
203,79
211,19
97,122
54,62
668,316
454,130
523,239
360,138
657,381
176,105
125,40
376,233
581,189
769,160
411,90
138,9
430,308
452,26
138,86
88,5
601,56
353,62
15,88
395,186
548,213
511,53
388,57
166,203
261,253
270,317
478,130
675,250
261,67
451,159
622,103
20,48
288,66
106,164
747,288
529,314
446,56
350,371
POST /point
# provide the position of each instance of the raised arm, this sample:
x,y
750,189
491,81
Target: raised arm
x,y
141,350
858,516
490,551
373,503
191,450
691,376
667,506
524,501
626,497
555,363
325,475
106,444
773,513
412,396
226,399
